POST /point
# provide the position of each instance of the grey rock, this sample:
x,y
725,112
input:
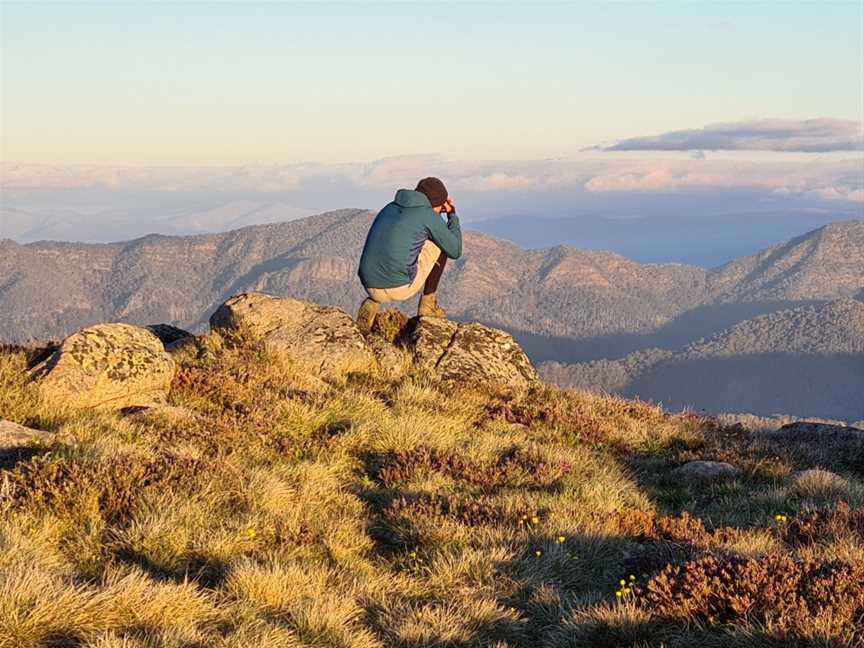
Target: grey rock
x,y
813,432
13,435
111,366
388,356
706,471
469,353
322,338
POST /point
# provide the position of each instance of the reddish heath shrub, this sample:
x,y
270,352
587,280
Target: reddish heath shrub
x,y
647,527
795,599
825,525
114,482
548,412
435,508
515,467
408,520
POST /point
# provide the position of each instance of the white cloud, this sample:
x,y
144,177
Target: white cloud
x,y
827,177
837,193
496,181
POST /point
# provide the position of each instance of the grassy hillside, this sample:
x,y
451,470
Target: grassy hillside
x,y
267,507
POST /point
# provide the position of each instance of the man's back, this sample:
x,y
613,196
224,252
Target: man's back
x,y
397,235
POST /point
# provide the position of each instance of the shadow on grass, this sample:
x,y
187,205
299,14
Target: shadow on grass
x,y
11,457
201,569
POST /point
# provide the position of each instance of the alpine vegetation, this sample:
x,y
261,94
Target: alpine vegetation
x,y
284,480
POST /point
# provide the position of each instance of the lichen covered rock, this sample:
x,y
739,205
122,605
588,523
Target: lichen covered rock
x,y
469,353
319,337
107,366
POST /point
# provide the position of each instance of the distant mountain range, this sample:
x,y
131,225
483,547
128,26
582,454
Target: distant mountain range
x,y
101,219
686,231
563,304
804,361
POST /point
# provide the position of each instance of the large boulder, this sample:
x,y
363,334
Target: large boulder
x,y
322,338
469,353
108,366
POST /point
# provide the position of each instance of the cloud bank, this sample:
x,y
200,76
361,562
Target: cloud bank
x,y
821,135
827,177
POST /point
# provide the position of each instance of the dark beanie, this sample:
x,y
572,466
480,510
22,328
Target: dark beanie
x,y
434,189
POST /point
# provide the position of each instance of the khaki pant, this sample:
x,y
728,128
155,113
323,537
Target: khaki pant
x,y
429,254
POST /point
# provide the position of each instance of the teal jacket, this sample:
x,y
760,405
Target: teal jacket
x,y
397,235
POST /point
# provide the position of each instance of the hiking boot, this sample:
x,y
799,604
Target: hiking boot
x,y
428,307
366,315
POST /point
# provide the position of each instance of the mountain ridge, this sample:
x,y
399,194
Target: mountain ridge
x,y
818,348
565,306
560,291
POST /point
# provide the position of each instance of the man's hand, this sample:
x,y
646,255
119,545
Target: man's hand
x,y
449,206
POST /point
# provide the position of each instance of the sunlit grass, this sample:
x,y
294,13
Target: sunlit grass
x,y
264,506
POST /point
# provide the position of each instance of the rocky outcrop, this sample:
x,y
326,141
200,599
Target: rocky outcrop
x,y
319,337
813,432
108,366
468,353
324,338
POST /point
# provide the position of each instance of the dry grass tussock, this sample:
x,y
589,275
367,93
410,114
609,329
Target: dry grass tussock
x,y
267,507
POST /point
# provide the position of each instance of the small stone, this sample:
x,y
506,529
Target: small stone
x,y
13,435
706,471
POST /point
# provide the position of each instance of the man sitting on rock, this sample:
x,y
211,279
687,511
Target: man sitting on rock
x,y
406,249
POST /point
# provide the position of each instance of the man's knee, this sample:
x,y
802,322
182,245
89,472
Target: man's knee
x,y
387,295
378,295
431,248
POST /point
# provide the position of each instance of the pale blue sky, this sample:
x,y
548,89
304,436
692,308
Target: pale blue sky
x,y
232,83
